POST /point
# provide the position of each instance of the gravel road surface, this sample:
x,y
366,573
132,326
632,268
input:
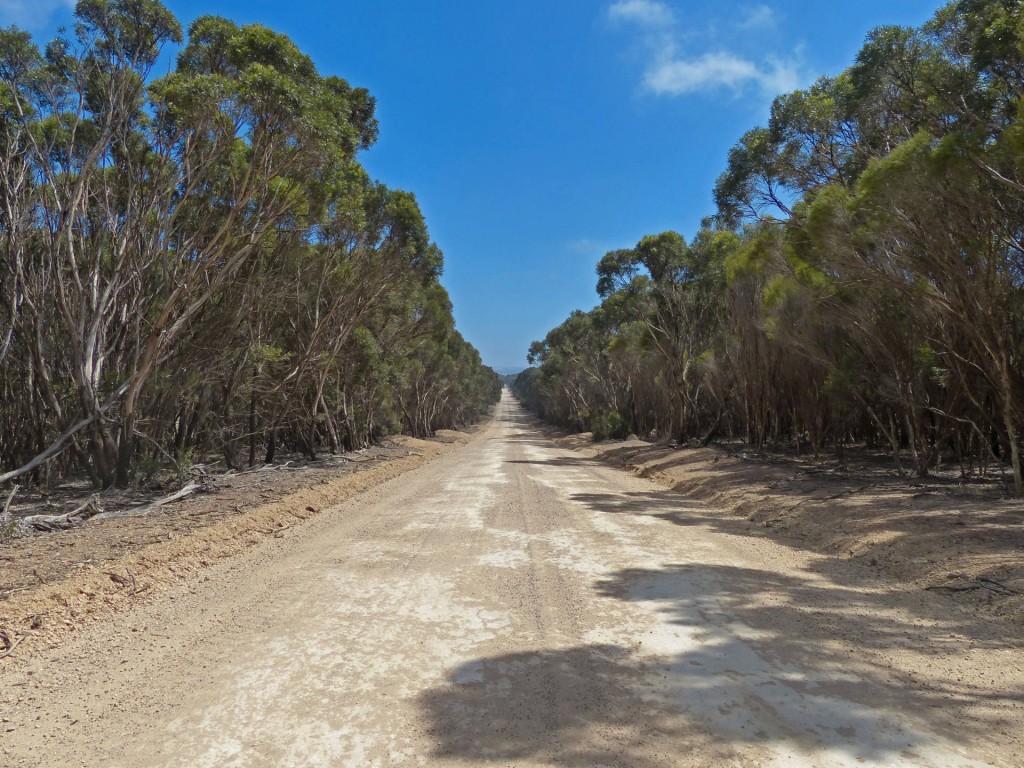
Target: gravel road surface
x,y
512,603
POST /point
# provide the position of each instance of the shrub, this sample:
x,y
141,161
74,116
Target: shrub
x,y
609,426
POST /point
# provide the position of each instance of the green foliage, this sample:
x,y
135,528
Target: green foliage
x,y
232,277
185,464
609,426
146,467
752,255
862,277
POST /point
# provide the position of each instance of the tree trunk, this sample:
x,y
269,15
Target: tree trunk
x,y
126,452
252,422
1014,440
271,446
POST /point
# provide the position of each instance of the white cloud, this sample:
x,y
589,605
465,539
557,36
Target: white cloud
x,y
31,14
588,246
671,72
757,17
675,76
650,13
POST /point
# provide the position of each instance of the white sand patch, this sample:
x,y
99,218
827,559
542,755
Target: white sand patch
x,y
714,668
419,618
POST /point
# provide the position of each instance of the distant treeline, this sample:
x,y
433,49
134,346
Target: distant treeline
x,y
862,280
198,264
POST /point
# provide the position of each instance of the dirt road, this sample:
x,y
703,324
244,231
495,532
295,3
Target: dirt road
x,y
514,604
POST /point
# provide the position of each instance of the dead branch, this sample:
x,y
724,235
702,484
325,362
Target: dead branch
x,y
92,511
14,646
146,508
10,498
355,460
62,522
67,434
266,468
125,581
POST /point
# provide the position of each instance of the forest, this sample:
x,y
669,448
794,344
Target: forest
x,y
861,281
197,264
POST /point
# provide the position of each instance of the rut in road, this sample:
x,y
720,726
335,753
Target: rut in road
x,y
514,604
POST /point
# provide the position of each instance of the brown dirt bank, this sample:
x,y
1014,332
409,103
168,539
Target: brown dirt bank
x,y
55,583
964,541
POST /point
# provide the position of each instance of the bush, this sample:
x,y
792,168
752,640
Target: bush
x,y
610,426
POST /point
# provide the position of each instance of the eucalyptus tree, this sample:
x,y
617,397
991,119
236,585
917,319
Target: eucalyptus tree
x,y
675,289
873,280
187,261
571,387
101,197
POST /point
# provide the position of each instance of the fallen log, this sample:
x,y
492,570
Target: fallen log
x,y
355,460
147,508
91,510
62,522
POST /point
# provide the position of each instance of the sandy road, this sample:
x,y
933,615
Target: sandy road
x,y
514,604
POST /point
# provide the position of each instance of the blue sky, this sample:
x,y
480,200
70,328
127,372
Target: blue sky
x,y
538,135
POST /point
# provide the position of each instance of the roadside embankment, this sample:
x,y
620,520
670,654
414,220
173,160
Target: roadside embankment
x,y
55,583
960,539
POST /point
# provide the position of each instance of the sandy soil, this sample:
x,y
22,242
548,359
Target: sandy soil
x,y
55,583
962,539
519,603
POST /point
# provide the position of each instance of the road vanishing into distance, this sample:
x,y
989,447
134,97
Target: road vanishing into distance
x,y
513,603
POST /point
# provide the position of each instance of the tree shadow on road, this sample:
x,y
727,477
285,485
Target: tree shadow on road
x,y
808,621
915,529
725,675
851,580
553,462
574,707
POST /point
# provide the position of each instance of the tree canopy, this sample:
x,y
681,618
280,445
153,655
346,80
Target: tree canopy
x,y
198,262
862,279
